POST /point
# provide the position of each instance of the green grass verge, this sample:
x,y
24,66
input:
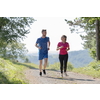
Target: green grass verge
x,y
93,69
13,72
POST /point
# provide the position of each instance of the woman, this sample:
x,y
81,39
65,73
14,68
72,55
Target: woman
x,y
63,46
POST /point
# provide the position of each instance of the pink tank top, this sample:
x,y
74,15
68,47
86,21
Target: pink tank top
x,y
63,51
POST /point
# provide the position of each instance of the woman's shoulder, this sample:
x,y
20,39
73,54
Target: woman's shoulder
x,y
59,42
67,43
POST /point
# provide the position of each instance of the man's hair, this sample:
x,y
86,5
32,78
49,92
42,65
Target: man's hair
x,y
44,30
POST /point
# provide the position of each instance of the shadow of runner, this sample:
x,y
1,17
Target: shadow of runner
x,y
69,79
29,66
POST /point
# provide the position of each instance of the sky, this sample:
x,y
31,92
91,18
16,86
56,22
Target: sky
x,y
56,27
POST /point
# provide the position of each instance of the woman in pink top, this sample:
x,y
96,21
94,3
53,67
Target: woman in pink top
x,y
63,46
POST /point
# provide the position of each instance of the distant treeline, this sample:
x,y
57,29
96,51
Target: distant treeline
x,y
77,58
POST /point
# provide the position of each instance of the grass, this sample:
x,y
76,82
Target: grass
x,y
92,69
13,72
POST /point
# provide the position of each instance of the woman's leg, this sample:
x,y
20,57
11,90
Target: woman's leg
x,y
61,62
65,62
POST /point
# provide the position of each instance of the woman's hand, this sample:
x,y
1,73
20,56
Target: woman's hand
x,y
67,49
58,48
61,47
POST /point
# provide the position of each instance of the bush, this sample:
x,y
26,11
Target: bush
x,y
95,65
70,66
56,66
92,69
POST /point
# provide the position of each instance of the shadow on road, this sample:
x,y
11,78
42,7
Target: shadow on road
x,y
26,65
69,79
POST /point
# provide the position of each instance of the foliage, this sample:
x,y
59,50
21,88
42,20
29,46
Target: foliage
x,y
92,69
12,31
56,66
87,25
14,28
11,73
13,51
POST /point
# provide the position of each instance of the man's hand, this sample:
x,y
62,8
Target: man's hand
x,y
48,48
39,48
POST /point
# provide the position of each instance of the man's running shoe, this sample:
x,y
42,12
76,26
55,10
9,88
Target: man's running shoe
x,y
40,73
44,71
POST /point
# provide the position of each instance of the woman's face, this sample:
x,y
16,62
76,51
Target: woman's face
x,y
63,38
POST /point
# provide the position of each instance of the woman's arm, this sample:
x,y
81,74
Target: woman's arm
x,y
68,48
58,48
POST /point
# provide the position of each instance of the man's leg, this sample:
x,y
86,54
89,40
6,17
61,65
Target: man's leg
x,y
40,65
45,63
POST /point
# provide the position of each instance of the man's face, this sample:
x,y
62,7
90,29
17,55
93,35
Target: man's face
x,y
44,33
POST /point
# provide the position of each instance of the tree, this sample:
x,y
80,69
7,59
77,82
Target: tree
x,y
27,60
88,25
14,28
12,31
13,51
98,38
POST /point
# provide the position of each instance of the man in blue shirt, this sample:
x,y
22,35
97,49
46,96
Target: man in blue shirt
x,y
43,44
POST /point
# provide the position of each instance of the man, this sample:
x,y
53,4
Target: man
x,y
43,44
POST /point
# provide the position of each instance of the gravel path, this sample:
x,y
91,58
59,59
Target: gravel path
x,y
53,77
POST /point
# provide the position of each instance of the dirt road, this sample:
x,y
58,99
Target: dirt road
x,y
53,77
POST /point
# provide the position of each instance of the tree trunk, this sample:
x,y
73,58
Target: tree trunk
x,y
98,39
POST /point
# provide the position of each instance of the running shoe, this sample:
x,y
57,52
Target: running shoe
x,y
44,71
40,73
62,75
65,74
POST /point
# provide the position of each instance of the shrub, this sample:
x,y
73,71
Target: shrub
x,y
95,65
56,66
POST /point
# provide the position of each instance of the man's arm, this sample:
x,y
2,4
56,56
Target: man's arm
x,y
37,46
49,45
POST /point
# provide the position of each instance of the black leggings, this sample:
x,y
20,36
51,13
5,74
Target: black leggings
x,y
63,62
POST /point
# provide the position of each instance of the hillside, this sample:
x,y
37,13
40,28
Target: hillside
x,y
77,58
11,73
28,73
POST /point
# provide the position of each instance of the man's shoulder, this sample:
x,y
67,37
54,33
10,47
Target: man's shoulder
x,y
47,37
39,38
